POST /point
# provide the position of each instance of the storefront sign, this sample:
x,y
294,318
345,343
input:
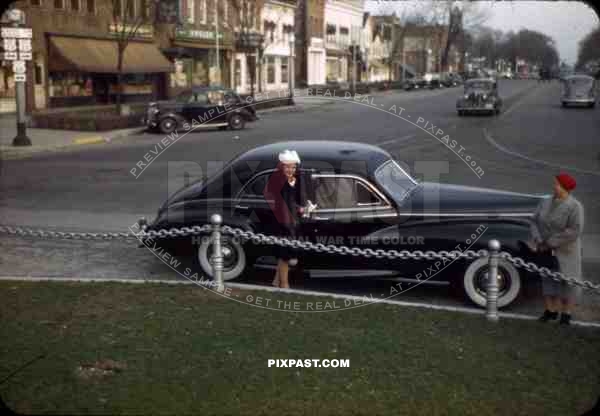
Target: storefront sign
x,y
144,31
197,34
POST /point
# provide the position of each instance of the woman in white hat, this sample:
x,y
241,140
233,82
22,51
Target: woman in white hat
x,y
284,189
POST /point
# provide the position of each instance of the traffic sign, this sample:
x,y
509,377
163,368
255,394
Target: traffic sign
x,y
17,32
19,67
20,77
10,56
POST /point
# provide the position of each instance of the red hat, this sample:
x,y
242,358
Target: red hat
x,y
566,181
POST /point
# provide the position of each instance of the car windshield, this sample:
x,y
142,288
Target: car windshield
x,y
184,97
479,85
395,180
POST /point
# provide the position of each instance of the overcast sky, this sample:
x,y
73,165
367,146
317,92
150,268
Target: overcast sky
x,y
566,22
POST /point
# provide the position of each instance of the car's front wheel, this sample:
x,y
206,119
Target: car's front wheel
x,y
236,122
476,277
168,125
235,260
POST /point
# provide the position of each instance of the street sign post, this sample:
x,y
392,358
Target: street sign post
x,y
16,42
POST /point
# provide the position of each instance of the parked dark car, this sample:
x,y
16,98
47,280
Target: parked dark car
x,y
480,95
579,90
364,198
208,106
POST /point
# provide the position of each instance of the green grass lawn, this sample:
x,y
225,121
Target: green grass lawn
x,y
181,349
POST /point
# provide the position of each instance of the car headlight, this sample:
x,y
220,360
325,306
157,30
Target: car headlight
x,y
466,96
484,96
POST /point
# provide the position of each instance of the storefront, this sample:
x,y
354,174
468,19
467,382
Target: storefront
x,y
197,61
337,65
83,71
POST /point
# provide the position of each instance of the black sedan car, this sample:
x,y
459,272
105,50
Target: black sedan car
x,y
200,107
364,198
480,96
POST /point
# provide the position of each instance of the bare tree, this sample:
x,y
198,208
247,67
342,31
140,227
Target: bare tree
x,y
243,18
127,17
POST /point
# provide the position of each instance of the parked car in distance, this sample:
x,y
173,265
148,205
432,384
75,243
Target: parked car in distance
x,y
369,203
200,107
432,80
480,95
579,90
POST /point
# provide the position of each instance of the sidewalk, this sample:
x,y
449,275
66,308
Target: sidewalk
x,y
50,140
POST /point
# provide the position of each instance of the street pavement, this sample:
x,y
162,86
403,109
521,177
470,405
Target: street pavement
x,y
92,189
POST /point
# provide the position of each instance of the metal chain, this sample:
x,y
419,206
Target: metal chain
x,y
259,238
353,251
143,234
546,272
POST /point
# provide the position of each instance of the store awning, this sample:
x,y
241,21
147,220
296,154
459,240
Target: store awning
x,y
96,55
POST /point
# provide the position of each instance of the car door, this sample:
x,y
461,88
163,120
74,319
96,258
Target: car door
x,y
349,208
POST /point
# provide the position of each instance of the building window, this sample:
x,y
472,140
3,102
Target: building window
x,y
284,69
117,8
144,9
59,4
36,2
269,30
202,11
75,5
190,11
130,9
331,32
91,6
271,70
344,36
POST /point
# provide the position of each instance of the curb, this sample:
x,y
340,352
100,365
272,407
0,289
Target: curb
x,y
14,153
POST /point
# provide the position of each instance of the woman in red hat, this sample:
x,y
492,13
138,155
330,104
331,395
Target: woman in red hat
x,y
556,229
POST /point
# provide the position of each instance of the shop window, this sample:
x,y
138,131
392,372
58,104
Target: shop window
x,y
238,72
69,84
75,5
7,83
91,6
59,4
284,69
270,70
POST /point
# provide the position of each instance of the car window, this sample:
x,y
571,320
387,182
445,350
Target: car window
x,y
342,192
201,98
255,187
216,97
365,196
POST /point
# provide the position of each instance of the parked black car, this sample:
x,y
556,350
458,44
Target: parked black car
x,y
364,199
202,107
480,95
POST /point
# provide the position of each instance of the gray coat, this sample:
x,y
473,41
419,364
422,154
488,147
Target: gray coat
x,y
559,224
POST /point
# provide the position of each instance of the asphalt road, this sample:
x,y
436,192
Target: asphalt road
x,y
520,150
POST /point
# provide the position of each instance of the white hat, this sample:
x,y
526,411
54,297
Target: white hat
x,y
289,156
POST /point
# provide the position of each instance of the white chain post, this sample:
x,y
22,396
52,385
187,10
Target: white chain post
x,y
492,282
217,257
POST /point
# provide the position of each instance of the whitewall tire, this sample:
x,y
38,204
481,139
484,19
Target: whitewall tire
x,y
475,280
234,257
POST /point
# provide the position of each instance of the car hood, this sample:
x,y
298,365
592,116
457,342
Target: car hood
x,y
430,197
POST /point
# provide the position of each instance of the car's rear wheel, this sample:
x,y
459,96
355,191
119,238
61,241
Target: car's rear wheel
x,y
168,125
592,105
236,122
461,113
235,260
564,104
476,277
